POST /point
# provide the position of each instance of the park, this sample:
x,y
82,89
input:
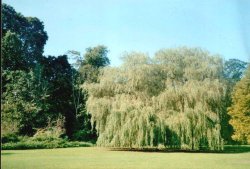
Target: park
x,y
124,85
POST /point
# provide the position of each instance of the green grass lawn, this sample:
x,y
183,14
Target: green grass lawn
x,y
100,158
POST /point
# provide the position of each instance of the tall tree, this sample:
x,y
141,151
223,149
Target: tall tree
x,y
240,109
77,93
24,90
29,35
173,99
57,71
96,56
86,68
94,59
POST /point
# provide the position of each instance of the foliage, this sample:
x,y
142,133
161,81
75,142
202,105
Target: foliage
x,y
240,109
153,101
51,132
25,32
93,59
9,137
49,137
85,135
232,71
173,99
31,99
96,56
44,144
12,52
23,101
57,71
86,68
78,95
24,90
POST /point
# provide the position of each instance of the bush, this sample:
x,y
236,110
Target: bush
x,y
83,135
10,137
34,144
47,138
48,134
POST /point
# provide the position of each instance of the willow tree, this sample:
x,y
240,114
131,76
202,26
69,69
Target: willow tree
x,y
172,100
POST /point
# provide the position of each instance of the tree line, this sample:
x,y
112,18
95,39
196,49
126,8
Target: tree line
x,y
181,98
38,90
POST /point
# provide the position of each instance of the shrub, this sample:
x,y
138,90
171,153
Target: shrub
x,y
31,143
10,137
47,138
83,135
49,133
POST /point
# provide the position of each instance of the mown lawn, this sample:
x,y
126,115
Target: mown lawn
x,y
101,158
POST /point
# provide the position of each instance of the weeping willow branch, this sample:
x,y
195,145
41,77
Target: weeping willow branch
x,y
173,99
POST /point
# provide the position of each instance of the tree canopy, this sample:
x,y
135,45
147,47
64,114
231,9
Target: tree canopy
x,y
173,99
234,69
94,59
23,102
240,109
23,39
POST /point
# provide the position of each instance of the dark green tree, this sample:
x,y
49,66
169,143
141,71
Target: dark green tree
x,y
23,88
29,35
12,52
57,71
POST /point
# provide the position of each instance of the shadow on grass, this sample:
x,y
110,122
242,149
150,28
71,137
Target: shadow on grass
x,y
227,150
4,154
237,149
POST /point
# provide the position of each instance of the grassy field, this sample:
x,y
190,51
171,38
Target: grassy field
x,y
100,158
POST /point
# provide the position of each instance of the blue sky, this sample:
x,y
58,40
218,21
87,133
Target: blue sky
x,y
219,26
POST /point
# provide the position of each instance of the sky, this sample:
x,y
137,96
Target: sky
x,y
219,26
